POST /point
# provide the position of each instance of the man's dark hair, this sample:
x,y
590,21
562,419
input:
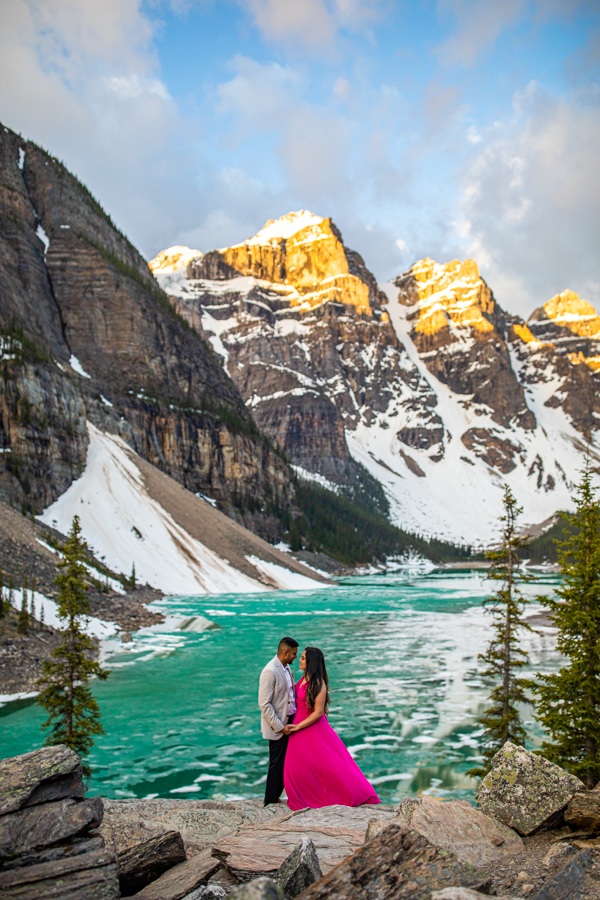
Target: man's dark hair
x,y
287,642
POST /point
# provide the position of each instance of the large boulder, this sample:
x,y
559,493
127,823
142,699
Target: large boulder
x,y
144,863
300,869
457,826
526,791
399,864
583,811
50,773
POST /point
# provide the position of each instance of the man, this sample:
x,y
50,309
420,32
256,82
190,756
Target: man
x,y
277,703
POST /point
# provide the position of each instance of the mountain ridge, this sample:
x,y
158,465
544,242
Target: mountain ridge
x,y
431,382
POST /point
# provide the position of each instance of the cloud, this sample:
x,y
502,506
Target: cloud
x,y
82,79
531,201
311,25
480,23
258,95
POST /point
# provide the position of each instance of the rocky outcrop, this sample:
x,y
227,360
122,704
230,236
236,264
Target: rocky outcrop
x,y
560,346
304,334
49,846
87,332
459,331
526,791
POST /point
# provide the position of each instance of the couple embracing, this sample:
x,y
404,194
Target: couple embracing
x,y
306,756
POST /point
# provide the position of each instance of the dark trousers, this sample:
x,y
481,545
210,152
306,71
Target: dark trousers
x,y
274,785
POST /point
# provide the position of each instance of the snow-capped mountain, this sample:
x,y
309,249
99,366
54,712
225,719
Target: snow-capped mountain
x,y
425,380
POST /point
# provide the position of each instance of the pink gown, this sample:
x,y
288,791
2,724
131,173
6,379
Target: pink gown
x,y
318,769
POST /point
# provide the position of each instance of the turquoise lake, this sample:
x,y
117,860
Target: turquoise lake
x,y
180,708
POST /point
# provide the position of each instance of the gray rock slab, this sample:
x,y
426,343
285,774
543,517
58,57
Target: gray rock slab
x,y
36,827
399,864
259,889
182,879
583,811
569,882
200,822
63,850
526,791
89,876
145,862
457,826
299,870
50,773
259,850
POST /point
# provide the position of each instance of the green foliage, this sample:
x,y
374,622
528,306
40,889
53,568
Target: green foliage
x,y
333,524
23,620
366,492
504,658
73,712
568,701
3,606
544,549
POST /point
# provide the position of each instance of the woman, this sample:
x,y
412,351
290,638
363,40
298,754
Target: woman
x,y
318,770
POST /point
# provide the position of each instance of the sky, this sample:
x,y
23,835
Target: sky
x,y
441,128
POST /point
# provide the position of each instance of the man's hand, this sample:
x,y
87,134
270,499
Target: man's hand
x,y
288,729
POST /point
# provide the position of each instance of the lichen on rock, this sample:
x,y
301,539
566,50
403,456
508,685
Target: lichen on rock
x,y
526,791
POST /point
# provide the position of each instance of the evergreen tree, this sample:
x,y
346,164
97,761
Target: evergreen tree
x,y
73,712
132,579
504,658
3,608
32,606
11,592
23,620
568,704
43,626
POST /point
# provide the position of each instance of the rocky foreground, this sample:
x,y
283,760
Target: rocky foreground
x,y
536,835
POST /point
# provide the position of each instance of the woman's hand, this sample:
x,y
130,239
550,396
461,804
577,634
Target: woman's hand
x,y
289,729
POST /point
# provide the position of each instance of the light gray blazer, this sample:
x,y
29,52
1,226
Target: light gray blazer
x,y
273,699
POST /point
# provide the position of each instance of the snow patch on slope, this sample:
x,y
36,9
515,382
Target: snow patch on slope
x,y
460,496
93,626
122,523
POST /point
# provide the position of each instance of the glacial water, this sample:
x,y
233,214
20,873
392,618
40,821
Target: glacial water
x,y
180,710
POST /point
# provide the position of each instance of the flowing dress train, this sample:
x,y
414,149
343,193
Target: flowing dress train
x,y
318,769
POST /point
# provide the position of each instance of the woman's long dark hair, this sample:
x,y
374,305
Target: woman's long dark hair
x,y
316,675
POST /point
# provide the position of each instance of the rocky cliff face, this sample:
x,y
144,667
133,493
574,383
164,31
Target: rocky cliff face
x,y
425,381
313,356
87,332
